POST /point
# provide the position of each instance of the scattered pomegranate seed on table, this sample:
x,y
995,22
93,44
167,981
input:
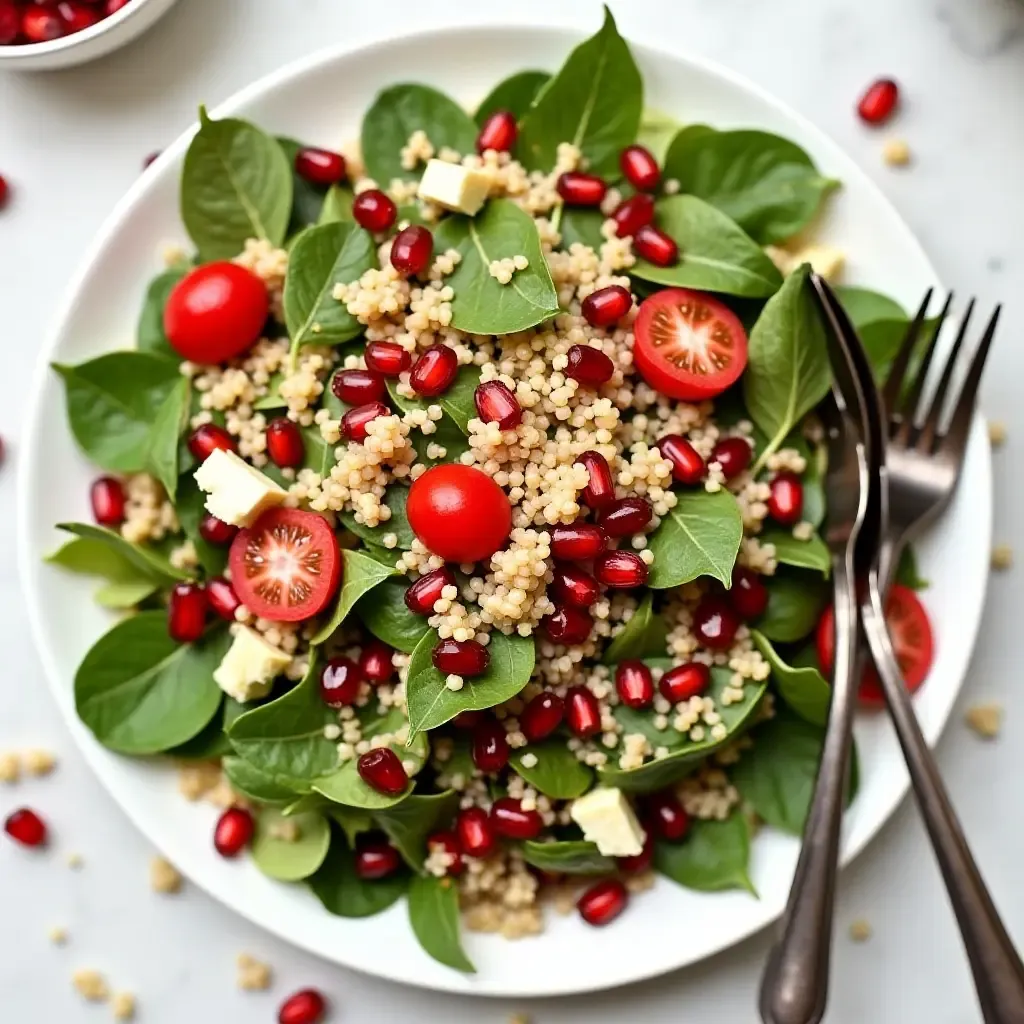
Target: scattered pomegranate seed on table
x,y
490,745
499,132
24,826
579,189
320,166
603,902
435,371
879,101
233,831
305,1007
411,249
284,443
382,770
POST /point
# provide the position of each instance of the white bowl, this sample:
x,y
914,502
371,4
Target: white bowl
x,y
322,99
79,47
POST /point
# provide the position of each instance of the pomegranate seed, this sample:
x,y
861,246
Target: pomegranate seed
x,y
358,387
495,403
634,684
510,820
376,858
499,132
468,719
620,569
632,214
542,716
600,489
108,500
284,443
748,595
786,499
375,662
206,439
687,465
606,306
715,623
685,681
222,598
578,542
186,612
590,366
582,714
422,595
39,26
579,189
77,16
355,421
113,6
411,249
733,454
640,168
603,902
305,1007
667,817
26,827
877,104
216,531
460,657
319,166
374,210
449,842
10,26
625,516
653,245
473,827
568,625
387,358
639,863
435,371
381,769
340,681
574,586
233,831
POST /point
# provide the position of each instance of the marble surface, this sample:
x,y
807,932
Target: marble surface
x,y
71,142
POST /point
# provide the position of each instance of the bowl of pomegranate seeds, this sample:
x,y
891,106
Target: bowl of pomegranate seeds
x,y
39,35
442,564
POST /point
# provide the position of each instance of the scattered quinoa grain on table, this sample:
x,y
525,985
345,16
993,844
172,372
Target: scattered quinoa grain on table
x,y
123,1006
997,433
985,719
39,762
164,877
58,935
896,153
860,930
90,985
253,976
75,861
1002,556
10,768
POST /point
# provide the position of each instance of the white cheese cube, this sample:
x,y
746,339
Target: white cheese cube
x,y
607,819
248,669
454,187
236,492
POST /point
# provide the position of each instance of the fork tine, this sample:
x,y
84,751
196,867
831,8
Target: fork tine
x,y
930,427
908,411
955,439
894,382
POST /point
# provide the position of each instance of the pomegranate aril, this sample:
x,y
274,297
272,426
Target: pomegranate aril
x,y
460,657
623,569
305,1007
376,858
510,820
578,542
499,132
687,465
625,516
375,662
476,837
582,712
374,210
542,716
449,842
355,421
568,625
639,863
319,166
685,681
632,214
878,103
634,684
357,387
340,681
10,26
495,403
666,817
426,591
233,831
600,489
40,26
435,371
113,6
108,500
284,443
387,358
222,598
603,902
186,612
26,827
574,586
381,769
468,719
579,189
606,306
733,455
786,499
216,531
411,249
653,245
715,623
748,595
640,168
590,366
206,439
76,16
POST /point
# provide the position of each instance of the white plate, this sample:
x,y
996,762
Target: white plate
x,y
322,99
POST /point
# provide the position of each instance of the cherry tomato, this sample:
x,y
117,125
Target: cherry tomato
x,y
912,641
459,513
688,344
286,566
215,312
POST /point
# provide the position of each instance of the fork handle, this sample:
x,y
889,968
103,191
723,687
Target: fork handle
x,y
996,965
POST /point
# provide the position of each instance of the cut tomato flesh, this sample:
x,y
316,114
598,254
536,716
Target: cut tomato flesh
x,y
286,566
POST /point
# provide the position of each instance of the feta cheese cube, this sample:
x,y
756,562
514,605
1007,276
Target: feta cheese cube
x,y
607,819
248,669
236,492
454,187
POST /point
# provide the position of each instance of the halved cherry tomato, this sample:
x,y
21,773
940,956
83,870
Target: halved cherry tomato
x,y
286,566
912,641
688,344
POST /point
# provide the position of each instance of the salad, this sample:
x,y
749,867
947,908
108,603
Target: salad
x,y
461,499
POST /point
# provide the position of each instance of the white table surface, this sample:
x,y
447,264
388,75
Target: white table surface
x,y
71,142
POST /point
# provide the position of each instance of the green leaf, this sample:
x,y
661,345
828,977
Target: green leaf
x,y
307,198
360,575
594,102
457,402
514,94
803,688
150,336
147,560
804,554
140,692
644,636
190,507
714,856
236,184
557,774
126,584
119,596
579,224
768,185
255,784
795,603
384,613
344,894
864,306
907,571
434,916
657,130
337,205
700,536
395,498
352,821
408,824
431,703
482,305
399,111
289,861
448,435
212,742
112,402
171,420
715,254
568,857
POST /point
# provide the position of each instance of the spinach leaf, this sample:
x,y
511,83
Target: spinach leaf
x,y
514,94
814,485
568,857
457,402
657,130
557,773
212,742
408,824
126,584
112,402
307,198
384,613
482,305
804,689
344,894
140,692
864,306
286,860
434,916
714,856
644,636
431,703
360,574
804,554
579,224
352,821
907,571
699,537
399,111
715,254
337,205
396,497
448,435
190,507
255,784
594,102
168,425
147,560
795,602
347,787
150,336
